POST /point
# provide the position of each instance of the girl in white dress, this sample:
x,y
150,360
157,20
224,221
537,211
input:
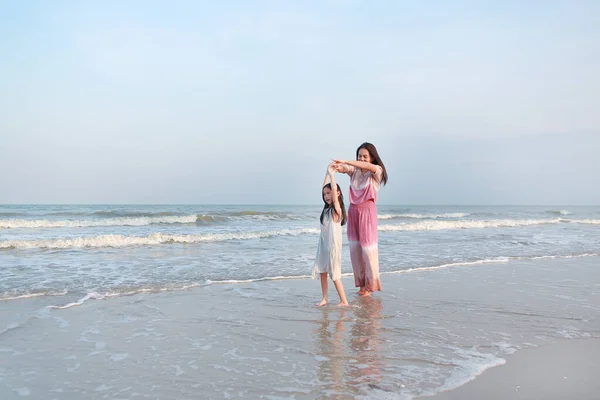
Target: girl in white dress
x,y
329,252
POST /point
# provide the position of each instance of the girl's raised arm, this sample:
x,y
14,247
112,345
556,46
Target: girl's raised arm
x,y
334,192
327,177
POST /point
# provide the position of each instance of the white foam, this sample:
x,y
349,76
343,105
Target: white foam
x,y
552,257
100,296
32,295
267,278
88,296
423,216
587,221
451,265
121,221
153,239
441,225
561,212
495,260
477,363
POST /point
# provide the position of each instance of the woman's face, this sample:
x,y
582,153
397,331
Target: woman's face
x,y
363,155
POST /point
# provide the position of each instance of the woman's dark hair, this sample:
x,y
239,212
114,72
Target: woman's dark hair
x,y
327,206
376,159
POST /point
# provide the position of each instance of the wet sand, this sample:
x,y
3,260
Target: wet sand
x,y
427,332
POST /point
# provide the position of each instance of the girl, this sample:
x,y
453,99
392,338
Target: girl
x,y
329,252
366,174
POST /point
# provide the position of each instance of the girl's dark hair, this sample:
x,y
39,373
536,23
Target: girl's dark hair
x,y
327,206
376,159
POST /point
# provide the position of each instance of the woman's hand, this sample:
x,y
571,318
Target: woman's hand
x,y
338,165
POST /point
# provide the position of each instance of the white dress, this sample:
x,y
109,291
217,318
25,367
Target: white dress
x,y
329,252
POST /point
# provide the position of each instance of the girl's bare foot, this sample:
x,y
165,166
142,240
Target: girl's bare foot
x,y
361,291
345,304
322,303
366,293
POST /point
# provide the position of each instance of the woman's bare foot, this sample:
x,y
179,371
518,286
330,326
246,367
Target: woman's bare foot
x,y
366,293
345,304
361,291
322,303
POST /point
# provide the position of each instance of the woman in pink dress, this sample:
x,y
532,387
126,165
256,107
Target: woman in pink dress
x,y
366,175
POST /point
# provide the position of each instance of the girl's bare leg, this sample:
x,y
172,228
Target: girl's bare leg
x,y
324,288
340,289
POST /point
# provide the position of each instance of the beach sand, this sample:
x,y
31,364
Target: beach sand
x,y
427,332
568,369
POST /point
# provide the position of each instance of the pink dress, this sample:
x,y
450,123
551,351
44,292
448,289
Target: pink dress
x,y
362,227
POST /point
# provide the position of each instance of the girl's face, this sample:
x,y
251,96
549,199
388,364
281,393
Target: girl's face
x,y
327,196
364,155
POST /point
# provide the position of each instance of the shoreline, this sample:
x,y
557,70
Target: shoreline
x,y
197,285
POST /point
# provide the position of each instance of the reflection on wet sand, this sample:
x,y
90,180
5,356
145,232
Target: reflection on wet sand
x,y
349,361
365,344
331,354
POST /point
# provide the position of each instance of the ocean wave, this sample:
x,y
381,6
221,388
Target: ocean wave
x,y
118,240
559,212
261,215
422,216
554,257
252,213
101,296
262,279
493,260
207,218
587,221
143,220
10,214
117,213
122,221
79,302
153,239
8,296
442,225
94,295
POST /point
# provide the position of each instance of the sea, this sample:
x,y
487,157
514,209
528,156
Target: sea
x,y
217,301
79,251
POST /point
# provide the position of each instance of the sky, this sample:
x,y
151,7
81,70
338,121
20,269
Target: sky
x,y
246,102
